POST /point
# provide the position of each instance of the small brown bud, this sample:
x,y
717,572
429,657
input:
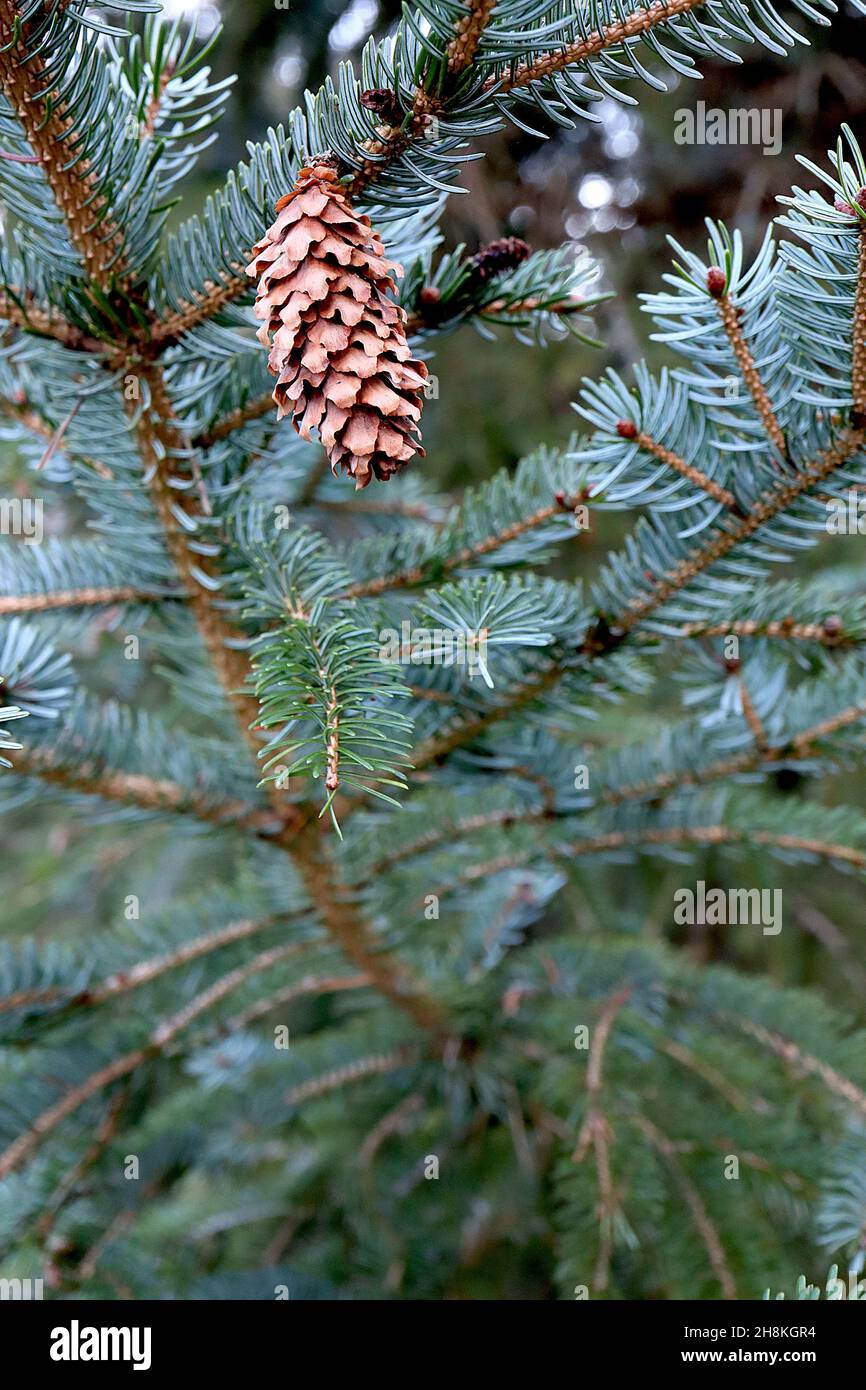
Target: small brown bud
x,y
716,281
500,256
626,429
384,103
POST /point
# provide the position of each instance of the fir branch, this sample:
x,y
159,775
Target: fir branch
x,y
215,296
704,1226
348,929
858,360
797,1057
146,971
751,376
784,629
378,1065
733,533
464,45
28,83
234,420
161,440
468,555
465,731
707,835
164,1034
753,719
98,597
105,1132
640,21
21,309
628,430
802,745
135,789
308,986
596,1131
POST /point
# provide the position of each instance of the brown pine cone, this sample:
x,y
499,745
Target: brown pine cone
x,y
500,256
338,341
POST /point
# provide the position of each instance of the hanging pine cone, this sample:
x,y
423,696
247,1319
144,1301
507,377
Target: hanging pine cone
x,y
338,341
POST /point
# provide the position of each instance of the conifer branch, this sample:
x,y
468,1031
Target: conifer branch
x,y
765,754
105,1132
216,296
160,437
418,574
627,430
464,45
50,130
378,1065
464,731
347,928
752,718
733,533
165,1033
135,789
783,628
729,315
685,1057
20,308
704,1226
797,1057
456,830
99,597
703,836
254,409
597,1132
309,985
858,355
146,971
640,21
706,835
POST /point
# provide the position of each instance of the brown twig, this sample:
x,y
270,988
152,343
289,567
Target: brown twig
x,y
98,597
700,1216
614,35
137,789
650,446
51,134
348,1075
162,1035
470,27
404,579
751,376
597,1133
146,971
346,926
